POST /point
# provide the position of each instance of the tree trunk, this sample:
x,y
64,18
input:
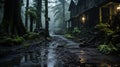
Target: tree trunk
x,y
64,14
12,21
31,24
26,16
46,19
39,10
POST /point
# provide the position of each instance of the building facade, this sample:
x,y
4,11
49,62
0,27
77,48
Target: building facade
x,y
87,13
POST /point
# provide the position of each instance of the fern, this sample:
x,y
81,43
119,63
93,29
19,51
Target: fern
x,y
107,49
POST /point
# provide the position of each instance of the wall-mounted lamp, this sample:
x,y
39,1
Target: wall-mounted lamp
x,y
83,19
118,9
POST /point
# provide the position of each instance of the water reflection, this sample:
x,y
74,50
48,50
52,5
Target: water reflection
x,y
33,60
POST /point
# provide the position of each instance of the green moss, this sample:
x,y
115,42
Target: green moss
x,y
10,41
18,40
31,35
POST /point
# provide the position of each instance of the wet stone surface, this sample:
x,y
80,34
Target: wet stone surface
x,y
61,52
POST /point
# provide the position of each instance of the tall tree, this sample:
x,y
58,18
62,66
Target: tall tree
x,y
46,19
12,21
33,16
39,10
60,13
26,16
63,6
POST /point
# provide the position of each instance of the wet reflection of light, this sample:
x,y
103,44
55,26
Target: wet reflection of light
x,y
82,52
23,59
51,55
105,65
82,60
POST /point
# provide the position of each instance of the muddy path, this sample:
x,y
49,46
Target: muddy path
x,y
61,52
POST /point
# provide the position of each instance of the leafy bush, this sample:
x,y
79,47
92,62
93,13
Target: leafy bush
x,y
76,30
68,36
107,49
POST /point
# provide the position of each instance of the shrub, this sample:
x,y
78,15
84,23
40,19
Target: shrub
x,y
107,49
76,30
68,36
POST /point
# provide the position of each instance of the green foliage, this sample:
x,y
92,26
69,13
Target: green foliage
x,y
10,41
31,35
32,12
107,49
18,39
104,27
109,32
101,25
68,36
76,30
